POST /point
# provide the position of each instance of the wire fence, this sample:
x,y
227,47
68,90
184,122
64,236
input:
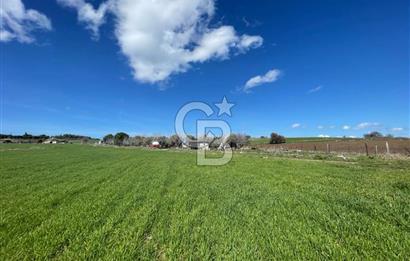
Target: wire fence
x,y
369,147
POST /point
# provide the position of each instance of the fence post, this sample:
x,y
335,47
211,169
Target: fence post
x,y
327,147
367,149
315,147
375,149
387,148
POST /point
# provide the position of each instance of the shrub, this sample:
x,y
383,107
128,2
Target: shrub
x,y
164,142
276,138
238,140
232,141
175,141
373,134
136,141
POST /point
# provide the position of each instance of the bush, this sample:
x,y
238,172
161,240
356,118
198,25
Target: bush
x,y
238,140
373,134
147,141
164,142
136,141
232,141
175,141
276,138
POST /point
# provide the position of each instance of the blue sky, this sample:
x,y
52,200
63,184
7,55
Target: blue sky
x,y
337,68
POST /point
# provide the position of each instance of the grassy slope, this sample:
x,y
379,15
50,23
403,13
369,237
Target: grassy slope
x,y
77,202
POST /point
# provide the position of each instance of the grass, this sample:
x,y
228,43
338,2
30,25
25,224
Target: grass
x,y
81,202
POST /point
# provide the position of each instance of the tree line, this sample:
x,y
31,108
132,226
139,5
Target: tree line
x,y
25,136
123,139
376,134
29,138
42,137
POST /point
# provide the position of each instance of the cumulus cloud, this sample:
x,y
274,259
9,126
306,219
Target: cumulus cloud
x,y
296,125
366,125
163,37
17,22
247,42
270,76
316,89
87,14
346,127
323,136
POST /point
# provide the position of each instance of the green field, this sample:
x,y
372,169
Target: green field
x,y
82,202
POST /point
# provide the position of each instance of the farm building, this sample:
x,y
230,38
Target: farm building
x,y
54,141
155,144
199,145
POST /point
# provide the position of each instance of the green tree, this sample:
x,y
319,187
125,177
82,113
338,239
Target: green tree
x,y
108,139
276,138
120,138
27,136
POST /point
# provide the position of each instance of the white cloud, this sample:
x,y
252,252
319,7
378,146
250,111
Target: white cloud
x,y
352,137
249,41
214,43
320,127
323,136
397,129
346,127
296,125
92,18
163,37
268,77
17,22
366,125
316,89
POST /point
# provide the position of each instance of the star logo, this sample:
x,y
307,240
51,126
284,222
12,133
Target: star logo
x,y
224,107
